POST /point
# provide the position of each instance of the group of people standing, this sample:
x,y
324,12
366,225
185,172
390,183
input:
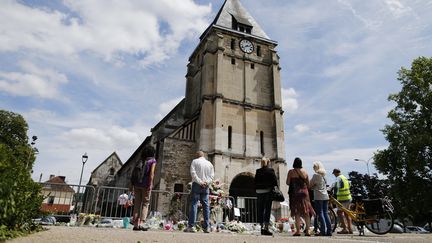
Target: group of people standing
x,y
202,173
299,199
301,204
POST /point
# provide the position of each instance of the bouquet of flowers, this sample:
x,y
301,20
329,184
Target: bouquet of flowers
x,y
182,225
175,214
216,193
235,226
283,220
87,219
189,187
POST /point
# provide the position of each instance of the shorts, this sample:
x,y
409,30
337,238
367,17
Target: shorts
x,y
346,204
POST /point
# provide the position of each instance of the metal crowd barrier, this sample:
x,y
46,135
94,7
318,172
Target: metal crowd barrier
x,y
248,209
62,200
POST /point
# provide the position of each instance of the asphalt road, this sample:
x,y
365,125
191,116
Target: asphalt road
x,y
90,234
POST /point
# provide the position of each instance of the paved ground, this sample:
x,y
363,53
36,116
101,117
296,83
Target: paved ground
x,y
91,234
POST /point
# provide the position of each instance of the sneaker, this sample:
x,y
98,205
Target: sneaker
x,y
206,231
189,230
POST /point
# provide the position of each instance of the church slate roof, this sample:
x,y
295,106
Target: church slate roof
x,y
234,9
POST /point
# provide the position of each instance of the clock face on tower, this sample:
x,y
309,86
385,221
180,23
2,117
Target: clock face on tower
x,y
246,46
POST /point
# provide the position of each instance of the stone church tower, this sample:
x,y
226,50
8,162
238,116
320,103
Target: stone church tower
x,y
232,108
233,86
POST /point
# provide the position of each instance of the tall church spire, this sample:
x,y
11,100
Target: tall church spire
x,y
235,17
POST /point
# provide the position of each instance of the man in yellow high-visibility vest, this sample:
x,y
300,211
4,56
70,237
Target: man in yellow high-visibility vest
x,y
343,195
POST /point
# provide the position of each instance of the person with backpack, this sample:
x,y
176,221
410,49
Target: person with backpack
x,y
142,183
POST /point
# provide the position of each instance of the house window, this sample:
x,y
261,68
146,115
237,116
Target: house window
x,y
112,171
259,51
253,65
233,61
51,200
232,44
230,137
178,187
262,142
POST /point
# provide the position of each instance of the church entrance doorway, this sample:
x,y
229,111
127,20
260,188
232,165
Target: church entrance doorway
x,y
242,189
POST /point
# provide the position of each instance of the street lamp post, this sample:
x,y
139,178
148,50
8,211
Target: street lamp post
x,y
367,163
84,160
33,150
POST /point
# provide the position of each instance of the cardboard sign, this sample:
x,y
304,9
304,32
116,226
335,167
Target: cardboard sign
x,y
237,212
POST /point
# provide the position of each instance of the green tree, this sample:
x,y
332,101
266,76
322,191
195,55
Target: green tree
x,y
367,186
20,197
407,162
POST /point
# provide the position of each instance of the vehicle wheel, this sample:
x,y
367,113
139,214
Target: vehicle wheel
x,y
380,224
333,220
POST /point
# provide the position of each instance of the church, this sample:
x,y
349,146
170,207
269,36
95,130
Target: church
x,y
232,110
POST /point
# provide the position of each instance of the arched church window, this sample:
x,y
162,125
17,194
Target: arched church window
x,y
262,142
230,137
259,51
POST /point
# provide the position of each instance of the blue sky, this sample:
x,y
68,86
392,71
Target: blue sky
x,y
96,76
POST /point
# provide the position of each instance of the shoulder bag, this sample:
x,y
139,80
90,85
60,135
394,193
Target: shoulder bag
x,y
277,195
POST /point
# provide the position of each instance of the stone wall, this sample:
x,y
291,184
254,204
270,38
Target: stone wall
x,y
178,155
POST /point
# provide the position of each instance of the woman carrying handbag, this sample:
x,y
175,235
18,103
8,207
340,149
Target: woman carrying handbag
x,y
265,181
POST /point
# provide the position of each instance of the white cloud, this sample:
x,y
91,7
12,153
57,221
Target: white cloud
x,y
33,81
62,139
91,130
368,22
149,30
397,8
289,101
301,128
166,107
101,138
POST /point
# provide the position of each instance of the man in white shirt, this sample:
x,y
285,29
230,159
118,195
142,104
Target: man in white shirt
x,y
202,173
